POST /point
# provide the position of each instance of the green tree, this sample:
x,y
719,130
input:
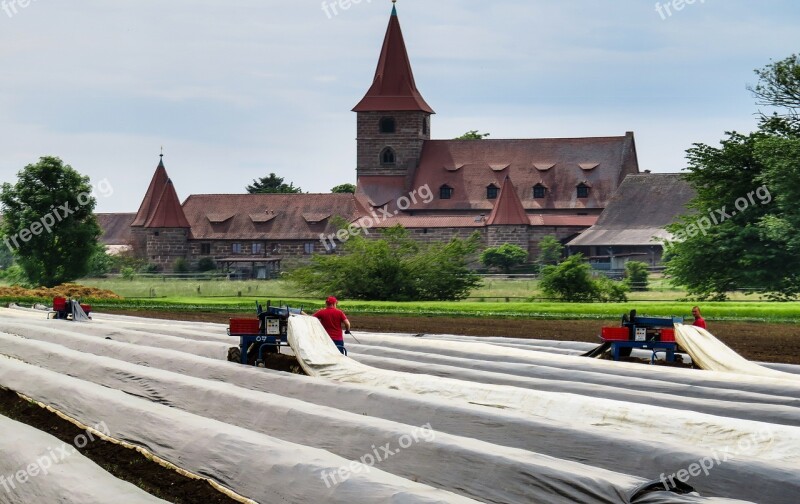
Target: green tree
x,y
272,184
505,257
100,263
473,135
6,255
550,251
49,222
394,267
344,189
572,280
637,274
738,235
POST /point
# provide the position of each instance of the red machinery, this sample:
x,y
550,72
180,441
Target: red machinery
x,y
656,334
68,309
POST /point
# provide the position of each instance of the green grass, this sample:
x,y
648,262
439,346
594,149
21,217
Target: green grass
x,y
497,298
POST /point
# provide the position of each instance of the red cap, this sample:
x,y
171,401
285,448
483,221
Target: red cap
x,y
331,300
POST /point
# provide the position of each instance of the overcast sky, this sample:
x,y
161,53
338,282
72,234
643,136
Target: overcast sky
x,y
236,89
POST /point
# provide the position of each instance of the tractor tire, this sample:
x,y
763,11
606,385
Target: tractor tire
x,y
235,355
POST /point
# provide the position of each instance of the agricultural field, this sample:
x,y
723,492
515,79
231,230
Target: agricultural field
x,y
403,418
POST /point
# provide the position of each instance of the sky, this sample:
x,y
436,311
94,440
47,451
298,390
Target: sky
x,y
237,89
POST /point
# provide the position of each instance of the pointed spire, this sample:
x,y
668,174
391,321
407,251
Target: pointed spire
x,y
508,211
394,88
154,191
168,212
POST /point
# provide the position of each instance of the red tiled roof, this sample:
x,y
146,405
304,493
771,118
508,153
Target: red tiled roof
x,y
553,162
168,212
285,216
151,196
116,228
378,190
430,221
508,209
394,88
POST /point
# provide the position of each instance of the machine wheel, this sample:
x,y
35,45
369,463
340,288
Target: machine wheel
x,y
235,355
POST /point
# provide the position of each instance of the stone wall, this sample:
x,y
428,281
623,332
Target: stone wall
x,y
167,245
406,142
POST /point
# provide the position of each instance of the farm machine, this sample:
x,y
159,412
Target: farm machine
x,y
638,332
261,338
70,309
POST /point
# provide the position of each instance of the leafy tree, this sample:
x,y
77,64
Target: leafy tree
x,y
550,251
272,184
569,281
572,281
505,257
344,189
473,135
779,87
6,255
395,268
741,234
49,221
636,274
100,263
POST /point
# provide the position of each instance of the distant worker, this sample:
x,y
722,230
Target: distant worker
x,y
332,319
699,321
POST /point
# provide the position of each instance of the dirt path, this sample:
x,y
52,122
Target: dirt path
x,y
754,341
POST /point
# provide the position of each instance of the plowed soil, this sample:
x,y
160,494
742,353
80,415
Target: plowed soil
x,y
754,341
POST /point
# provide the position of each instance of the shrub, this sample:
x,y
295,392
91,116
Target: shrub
x,y
550,251
128,273
572,281
206,264
636,274
505,257
393,268
180,266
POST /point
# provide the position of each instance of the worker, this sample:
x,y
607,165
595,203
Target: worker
x,y
699,321
332,319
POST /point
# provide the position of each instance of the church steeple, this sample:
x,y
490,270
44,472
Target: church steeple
x,y
393,88
393,118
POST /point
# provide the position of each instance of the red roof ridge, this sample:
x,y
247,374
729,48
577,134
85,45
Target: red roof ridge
x,y
168,212
508,210
393,88
154,191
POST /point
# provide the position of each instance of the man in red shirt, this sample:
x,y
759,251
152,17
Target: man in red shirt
x,y
332,319
699,321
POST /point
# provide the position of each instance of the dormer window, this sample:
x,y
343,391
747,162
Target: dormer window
x,y
492,191
445,192
583,190
388,125
539,191
387,156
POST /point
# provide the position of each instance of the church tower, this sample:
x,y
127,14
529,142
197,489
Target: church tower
x,y
393,118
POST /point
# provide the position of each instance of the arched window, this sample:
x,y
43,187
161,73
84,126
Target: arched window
x,y
539,191
491,191
445,192
388,125
387,156
583,190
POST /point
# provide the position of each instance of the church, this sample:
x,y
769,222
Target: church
x,y
509,191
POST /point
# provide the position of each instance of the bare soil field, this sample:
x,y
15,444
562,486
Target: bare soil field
x,y
754,341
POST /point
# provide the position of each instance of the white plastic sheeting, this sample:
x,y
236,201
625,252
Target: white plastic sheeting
x,y
712,354
319,357
644,457
38,468
170,347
